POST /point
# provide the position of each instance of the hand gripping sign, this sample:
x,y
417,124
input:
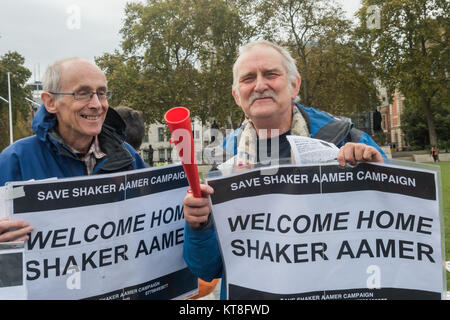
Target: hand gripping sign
x,y
179,122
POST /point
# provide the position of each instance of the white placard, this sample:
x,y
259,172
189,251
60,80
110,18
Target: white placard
x,y
327,232
117,236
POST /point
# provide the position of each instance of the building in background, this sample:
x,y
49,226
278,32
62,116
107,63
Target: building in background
x,y
385,122
36,90
398,142
383,110
387,118
391,119
156,148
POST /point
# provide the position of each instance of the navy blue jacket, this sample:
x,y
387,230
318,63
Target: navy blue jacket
x,y
44,156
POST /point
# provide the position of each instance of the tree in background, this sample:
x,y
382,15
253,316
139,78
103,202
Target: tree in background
x,y
178,53
337,72
13,62
181,53
227,27
414,125
157,50
411,51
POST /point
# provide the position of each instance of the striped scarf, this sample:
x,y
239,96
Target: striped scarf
x,y
247,146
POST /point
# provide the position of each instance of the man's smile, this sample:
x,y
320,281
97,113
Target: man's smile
x,y
89,117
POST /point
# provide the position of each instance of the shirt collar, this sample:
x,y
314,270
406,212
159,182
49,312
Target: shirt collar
x,y
89,158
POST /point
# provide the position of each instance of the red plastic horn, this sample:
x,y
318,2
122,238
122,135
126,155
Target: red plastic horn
x,y
179,122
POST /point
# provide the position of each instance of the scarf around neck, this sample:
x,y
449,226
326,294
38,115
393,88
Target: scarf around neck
x,y
247,145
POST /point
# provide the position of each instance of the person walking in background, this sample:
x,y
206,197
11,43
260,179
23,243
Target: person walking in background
x,y
435,153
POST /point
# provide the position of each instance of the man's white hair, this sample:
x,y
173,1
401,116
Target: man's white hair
x,y
51,81
288,61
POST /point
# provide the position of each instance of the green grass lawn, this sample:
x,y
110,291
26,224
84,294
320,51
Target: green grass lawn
x,y
445,177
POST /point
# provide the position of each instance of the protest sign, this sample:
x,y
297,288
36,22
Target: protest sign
x,y
115,236
328,232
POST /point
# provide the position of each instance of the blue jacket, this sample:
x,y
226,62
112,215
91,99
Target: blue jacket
x,y
201,249
43,155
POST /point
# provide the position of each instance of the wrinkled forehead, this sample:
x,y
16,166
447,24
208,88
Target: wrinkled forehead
x,y
81,74
259,57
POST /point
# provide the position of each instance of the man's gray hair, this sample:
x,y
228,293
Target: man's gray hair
x,y
288,61
51,81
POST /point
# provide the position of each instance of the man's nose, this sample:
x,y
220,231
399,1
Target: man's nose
x,y
261,84
95,102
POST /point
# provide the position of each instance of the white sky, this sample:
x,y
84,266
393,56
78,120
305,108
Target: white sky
x,y
44,31
350,6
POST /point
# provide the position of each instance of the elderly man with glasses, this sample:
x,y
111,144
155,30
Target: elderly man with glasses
x,y
76,134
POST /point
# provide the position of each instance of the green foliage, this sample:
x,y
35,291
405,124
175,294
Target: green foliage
x,y
177,53
411,50
415,128
160,164
337,72
13,62
181,53
380,138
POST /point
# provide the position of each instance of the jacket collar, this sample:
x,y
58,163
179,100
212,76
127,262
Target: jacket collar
x,y
247,143
111,138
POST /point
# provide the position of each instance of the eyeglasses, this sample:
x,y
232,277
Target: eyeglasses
x,y
86,96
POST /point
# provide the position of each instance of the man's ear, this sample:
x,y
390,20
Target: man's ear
x,y
49,102
296,87
236,97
